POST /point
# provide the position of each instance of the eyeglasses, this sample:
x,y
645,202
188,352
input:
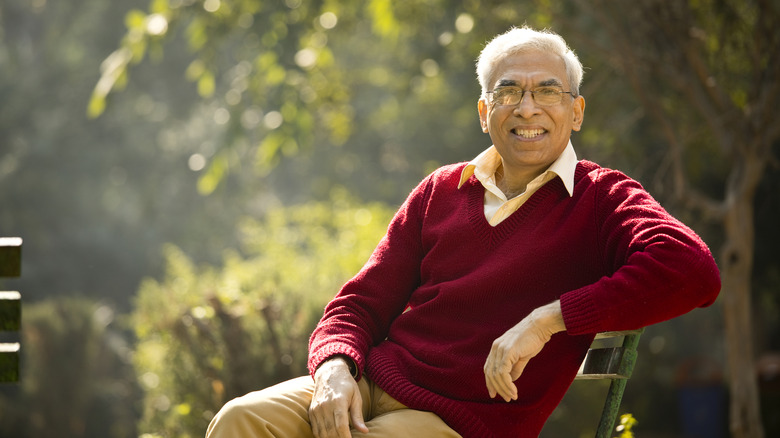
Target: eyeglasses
x,y
542,96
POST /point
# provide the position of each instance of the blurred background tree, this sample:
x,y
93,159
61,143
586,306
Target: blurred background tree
x,y
186,203
720,61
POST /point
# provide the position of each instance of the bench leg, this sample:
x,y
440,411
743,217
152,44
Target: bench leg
x,y
616,388
611,407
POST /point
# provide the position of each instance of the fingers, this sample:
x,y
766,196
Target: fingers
x,y
509,356
497,374
336,400
517,370
334,423
503,388
356,413
329,423
341,418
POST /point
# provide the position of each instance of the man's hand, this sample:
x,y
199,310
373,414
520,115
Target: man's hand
x,y
336,401
512,350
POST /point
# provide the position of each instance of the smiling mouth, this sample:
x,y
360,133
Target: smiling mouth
x,y
528,133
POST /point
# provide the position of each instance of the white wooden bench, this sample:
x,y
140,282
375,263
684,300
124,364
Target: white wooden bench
x,y
10,308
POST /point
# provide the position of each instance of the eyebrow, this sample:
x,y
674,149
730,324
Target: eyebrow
x,y
545,83
551,83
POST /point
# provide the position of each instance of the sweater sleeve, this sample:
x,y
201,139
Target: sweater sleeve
x,y
660,268
360,314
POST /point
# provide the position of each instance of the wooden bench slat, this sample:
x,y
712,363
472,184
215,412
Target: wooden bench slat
x,y
9,362
10,256
10,311
607,335
611,362
10,347
607,363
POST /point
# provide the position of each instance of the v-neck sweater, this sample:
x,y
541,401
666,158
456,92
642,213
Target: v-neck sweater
x,y
420,317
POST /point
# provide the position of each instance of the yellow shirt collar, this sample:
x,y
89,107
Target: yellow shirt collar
x,y
484,166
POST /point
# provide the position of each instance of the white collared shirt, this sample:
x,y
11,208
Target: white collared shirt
x,y
497,206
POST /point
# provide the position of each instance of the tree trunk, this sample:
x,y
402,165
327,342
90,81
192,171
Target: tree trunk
x,y
736,270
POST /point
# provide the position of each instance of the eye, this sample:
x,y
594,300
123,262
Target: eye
x,y
505,91
546,92
506,95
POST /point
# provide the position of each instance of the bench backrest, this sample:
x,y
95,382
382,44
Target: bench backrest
x,y
615,363
10,308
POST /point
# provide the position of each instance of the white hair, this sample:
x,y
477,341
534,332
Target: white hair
x,y
518,40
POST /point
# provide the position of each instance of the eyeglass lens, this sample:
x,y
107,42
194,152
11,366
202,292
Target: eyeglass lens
x,y
512,95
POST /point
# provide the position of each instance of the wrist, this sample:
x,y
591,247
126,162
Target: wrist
x,y
550,317
338,362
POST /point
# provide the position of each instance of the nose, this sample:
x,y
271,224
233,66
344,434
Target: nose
x,y
527,107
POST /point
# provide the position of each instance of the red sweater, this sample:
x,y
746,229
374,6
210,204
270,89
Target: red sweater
x,y
613,256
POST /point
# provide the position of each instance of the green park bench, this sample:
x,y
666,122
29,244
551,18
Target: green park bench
x,y
615,363
10,308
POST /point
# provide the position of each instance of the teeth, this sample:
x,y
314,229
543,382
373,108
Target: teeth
x,y
529,133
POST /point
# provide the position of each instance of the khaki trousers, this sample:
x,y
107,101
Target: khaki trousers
x,y
282,411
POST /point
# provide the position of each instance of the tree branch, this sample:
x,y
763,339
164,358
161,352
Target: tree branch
x,y
627,59
768,85
690,74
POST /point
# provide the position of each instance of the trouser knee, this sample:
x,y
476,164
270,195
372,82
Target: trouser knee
x,y
278,411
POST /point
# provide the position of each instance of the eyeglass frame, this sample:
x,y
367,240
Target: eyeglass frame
x,y
522,92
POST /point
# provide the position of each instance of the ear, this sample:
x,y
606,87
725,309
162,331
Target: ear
x,y
482,108
578,112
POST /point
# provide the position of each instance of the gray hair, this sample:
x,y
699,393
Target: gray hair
x,y
518,40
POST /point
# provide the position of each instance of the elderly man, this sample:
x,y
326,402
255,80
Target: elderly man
x,y
475,310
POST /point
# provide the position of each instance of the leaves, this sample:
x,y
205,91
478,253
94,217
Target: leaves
x,y
300,59
383,19
625,426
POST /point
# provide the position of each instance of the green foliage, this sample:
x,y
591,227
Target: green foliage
x,y
285,67
96,199
208,334
625,426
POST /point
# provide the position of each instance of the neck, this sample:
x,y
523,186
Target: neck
x,y
514,183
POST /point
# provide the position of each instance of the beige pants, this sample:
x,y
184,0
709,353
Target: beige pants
x,y
282,411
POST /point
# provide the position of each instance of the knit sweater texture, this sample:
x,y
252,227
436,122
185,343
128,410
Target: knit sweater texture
x,y
420,317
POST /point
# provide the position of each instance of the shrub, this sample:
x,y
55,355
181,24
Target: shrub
x,y
208,334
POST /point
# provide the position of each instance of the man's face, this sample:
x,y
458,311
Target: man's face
x,y
528,136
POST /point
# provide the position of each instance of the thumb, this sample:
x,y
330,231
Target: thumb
x,y
356,413
517,369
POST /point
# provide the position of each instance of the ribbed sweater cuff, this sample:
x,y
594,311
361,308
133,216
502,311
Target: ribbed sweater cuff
x,y
580,313
316,358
